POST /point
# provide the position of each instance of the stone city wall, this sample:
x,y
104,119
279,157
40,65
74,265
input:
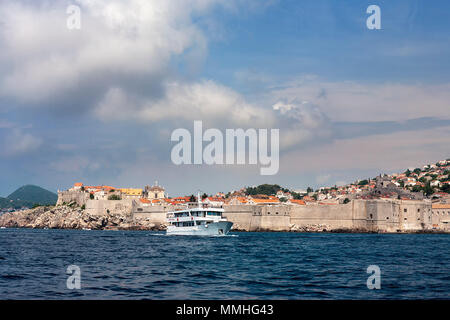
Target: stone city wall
x,y
105,207
381,215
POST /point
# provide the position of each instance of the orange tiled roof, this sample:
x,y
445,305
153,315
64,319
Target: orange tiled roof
x,y
296,201
78,184
240,199
266,200
186,199
214,199
144,200
440,206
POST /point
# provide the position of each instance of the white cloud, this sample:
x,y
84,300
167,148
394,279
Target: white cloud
x,y
350,101
6,124
323,178
383,153
218,106
20,143
207,101
301,123
119,64
74,164
118,40
120,61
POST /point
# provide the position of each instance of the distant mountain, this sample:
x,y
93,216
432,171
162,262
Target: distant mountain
x,y
27,196
5,203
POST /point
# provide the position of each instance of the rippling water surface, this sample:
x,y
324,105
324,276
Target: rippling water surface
x,y
150,265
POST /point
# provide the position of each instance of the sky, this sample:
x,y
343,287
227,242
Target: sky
x,y
98,104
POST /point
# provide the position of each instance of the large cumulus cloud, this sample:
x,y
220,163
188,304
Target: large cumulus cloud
x,y
120,43
119,66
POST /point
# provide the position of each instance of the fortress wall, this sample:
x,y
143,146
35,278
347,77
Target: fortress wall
x,y
156,214
101,207
395,215
241,216
359,214
335,216
373,215
258,218
271,218
158,217
382,215
415,215
273,223
441,219
68,196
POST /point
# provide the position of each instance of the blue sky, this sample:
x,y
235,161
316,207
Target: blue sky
x,y
98,104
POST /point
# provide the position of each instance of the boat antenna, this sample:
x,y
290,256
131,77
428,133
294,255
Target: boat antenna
x,y
198,199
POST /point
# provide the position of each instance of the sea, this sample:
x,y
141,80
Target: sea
x,y
84,264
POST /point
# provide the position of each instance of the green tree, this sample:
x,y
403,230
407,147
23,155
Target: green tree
x,y
446,188
346,200
267,189
363,182
428,190
114,197
192,198
296,195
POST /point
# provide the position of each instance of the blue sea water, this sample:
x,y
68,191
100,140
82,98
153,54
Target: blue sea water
x,y
150,265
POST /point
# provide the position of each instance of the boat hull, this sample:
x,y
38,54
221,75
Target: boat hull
x,y
220,228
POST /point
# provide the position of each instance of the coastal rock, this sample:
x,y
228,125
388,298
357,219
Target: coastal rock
x,y
310,228
71,217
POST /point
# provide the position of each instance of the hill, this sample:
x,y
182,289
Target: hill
x,y
27,196
5,203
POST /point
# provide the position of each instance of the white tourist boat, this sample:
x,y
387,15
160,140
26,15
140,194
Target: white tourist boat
x,y
198,222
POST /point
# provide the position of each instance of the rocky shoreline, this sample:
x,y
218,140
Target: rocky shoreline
x,y
70,217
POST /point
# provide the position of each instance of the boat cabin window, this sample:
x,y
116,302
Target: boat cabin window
x,y
214,213
197,214
184,224
182,214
